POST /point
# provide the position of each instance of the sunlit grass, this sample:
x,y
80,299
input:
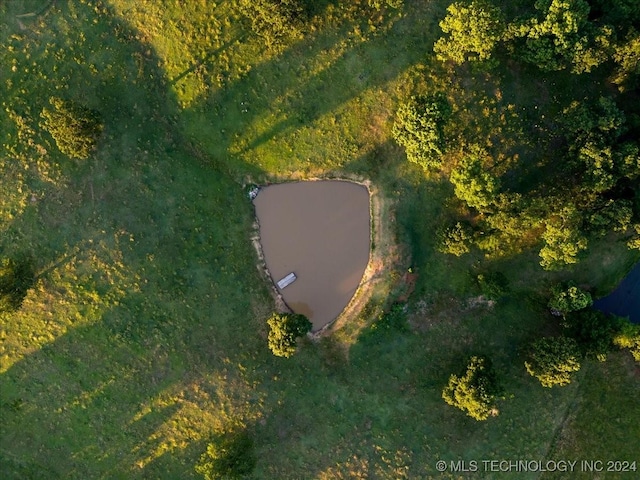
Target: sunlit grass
x,y
144,333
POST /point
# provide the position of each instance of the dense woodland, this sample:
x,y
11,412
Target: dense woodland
x,y
139,340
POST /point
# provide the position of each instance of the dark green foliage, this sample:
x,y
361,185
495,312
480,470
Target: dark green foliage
x,y
74,128
276,21
475,390
473,31
594,331
553,360
285,329
568,298
629,337
627,58
492,285
593,122
16,277
228,457
419,129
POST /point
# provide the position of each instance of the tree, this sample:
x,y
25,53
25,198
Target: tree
x,y
74,128
472,181
228,457
474,29
629,337
475,391
565,299
563,240
285,329
556,40
275,21
455,240
16,278
552,360
419,129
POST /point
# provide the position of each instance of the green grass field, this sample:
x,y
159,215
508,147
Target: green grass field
x,y
145,332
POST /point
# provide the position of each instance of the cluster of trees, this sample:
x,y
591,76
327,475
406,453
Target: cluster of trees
x,y
554,360
588,152
558,35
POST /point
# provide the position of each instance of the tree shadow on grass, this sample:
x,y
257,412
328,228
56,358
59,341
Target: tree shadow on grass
x,y
292,91
154,240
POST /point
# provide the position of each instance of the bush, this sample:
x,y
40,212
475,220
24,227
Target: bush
x,y
492,285
275,21
16,278
552,360
74,128
475,391
285,329
229,456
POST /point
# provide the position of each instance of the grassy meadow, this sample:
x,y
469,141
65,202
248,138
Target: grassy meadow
x,y
144,333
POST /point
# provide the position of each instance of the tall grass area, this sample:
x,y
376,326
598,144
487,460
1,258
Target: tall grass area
x,y
145,331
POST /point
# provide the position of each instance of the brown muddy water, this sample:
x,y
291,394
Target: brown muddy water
x,y
320,231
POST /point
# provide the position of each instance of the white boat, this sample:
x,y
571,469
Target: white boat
x,y
286,281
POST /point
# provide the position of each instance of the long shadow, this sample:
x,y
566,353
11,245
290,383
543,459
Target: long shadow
x,y
93,400
308,80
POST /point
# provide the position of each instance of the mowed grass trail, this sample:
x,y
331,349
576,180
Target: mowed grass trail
x,y
145,331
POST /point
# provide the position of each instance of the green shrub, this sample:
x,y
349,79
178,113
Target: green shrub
x,y
492,285
74,128
455,240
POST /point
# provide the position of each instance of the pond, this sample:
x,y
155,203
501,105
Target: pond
x,y
320,232
624,301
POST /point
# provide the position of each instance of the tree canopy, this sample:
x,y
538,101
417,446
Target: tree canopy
x,y
568,299
474,392
473,31
553,360
419,128
285,329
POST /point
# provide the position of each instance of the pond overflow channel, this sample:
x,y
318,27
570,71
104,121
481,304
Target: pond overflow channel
x,y
315,237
